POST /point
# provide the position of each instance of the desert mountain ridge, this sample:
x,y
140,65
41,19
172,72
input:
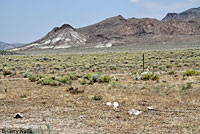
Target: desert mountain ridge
x,y
117,30
5,46
184,16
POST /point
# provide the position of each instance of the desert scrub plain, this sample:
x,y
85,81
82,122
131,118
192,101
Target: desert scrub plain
x,y
70,92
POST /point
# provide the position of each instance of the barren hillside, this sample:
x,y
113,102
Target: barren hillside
x,y
118,30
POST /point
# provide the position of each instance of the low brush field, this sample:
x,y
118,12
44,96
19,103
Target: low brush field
x,y
69,93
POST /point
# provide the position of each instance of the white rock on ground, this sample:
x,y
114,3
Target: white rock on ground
x,y
150,108
134,112
108,103
115,104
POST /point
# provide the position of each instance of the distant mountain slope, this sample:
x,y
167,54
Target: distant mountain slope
x,y
5,46
15,45
185,16
119,31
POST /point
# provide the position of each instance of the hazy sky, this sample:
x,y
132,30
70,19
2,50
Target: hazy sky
x,y
28,20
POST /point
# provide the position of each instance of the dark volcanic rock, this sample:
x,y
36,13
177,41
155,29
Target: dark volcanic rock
x,y
185,16
118,30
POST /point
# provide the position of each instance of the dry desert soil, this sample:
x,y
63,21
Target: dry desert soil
x,y
80,108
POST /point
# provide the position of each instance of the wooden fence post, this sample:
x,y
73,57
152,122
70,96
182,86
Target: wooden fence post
x,y
143,64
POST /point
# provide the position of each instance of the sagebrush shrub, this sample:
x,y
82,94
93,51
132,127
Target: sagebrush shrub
x,y
150,76
191,73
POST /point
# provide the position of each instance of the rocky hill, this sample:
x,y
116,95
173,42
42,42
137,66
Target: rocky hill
x,y
184,16
59,38
118,31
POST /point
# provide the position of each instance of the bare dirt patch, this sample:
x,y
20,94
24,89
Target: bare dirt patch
x,y
82,109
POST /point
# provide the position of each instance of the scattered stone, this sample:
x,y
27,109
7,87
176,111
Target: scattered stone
x,y
117,110
115,104
116,79
81,116
142,86
158,74
150,108
134,112
137,76
125,86
144,73
108,103
117,116
18,116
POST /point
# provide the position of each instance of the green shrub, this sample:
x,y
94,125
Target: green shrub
x,y
191,73
104,79
54,83
188,85
23,96
50,80
146,76
169,66
83,81
155,66
171,72
107,78
74,76
46,81
101,79
113,68
95,77
91,82
179,65
154,77
136,72
97,98
13,74
65,80
87,76
162,67
34,78
27,75
150,76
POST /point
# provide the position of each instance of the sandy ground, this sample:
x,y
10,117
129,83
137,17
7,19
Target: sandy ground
x,y
175,111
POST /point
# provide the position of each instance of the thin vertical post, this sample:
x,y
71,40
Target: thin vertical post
x,y
143,63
